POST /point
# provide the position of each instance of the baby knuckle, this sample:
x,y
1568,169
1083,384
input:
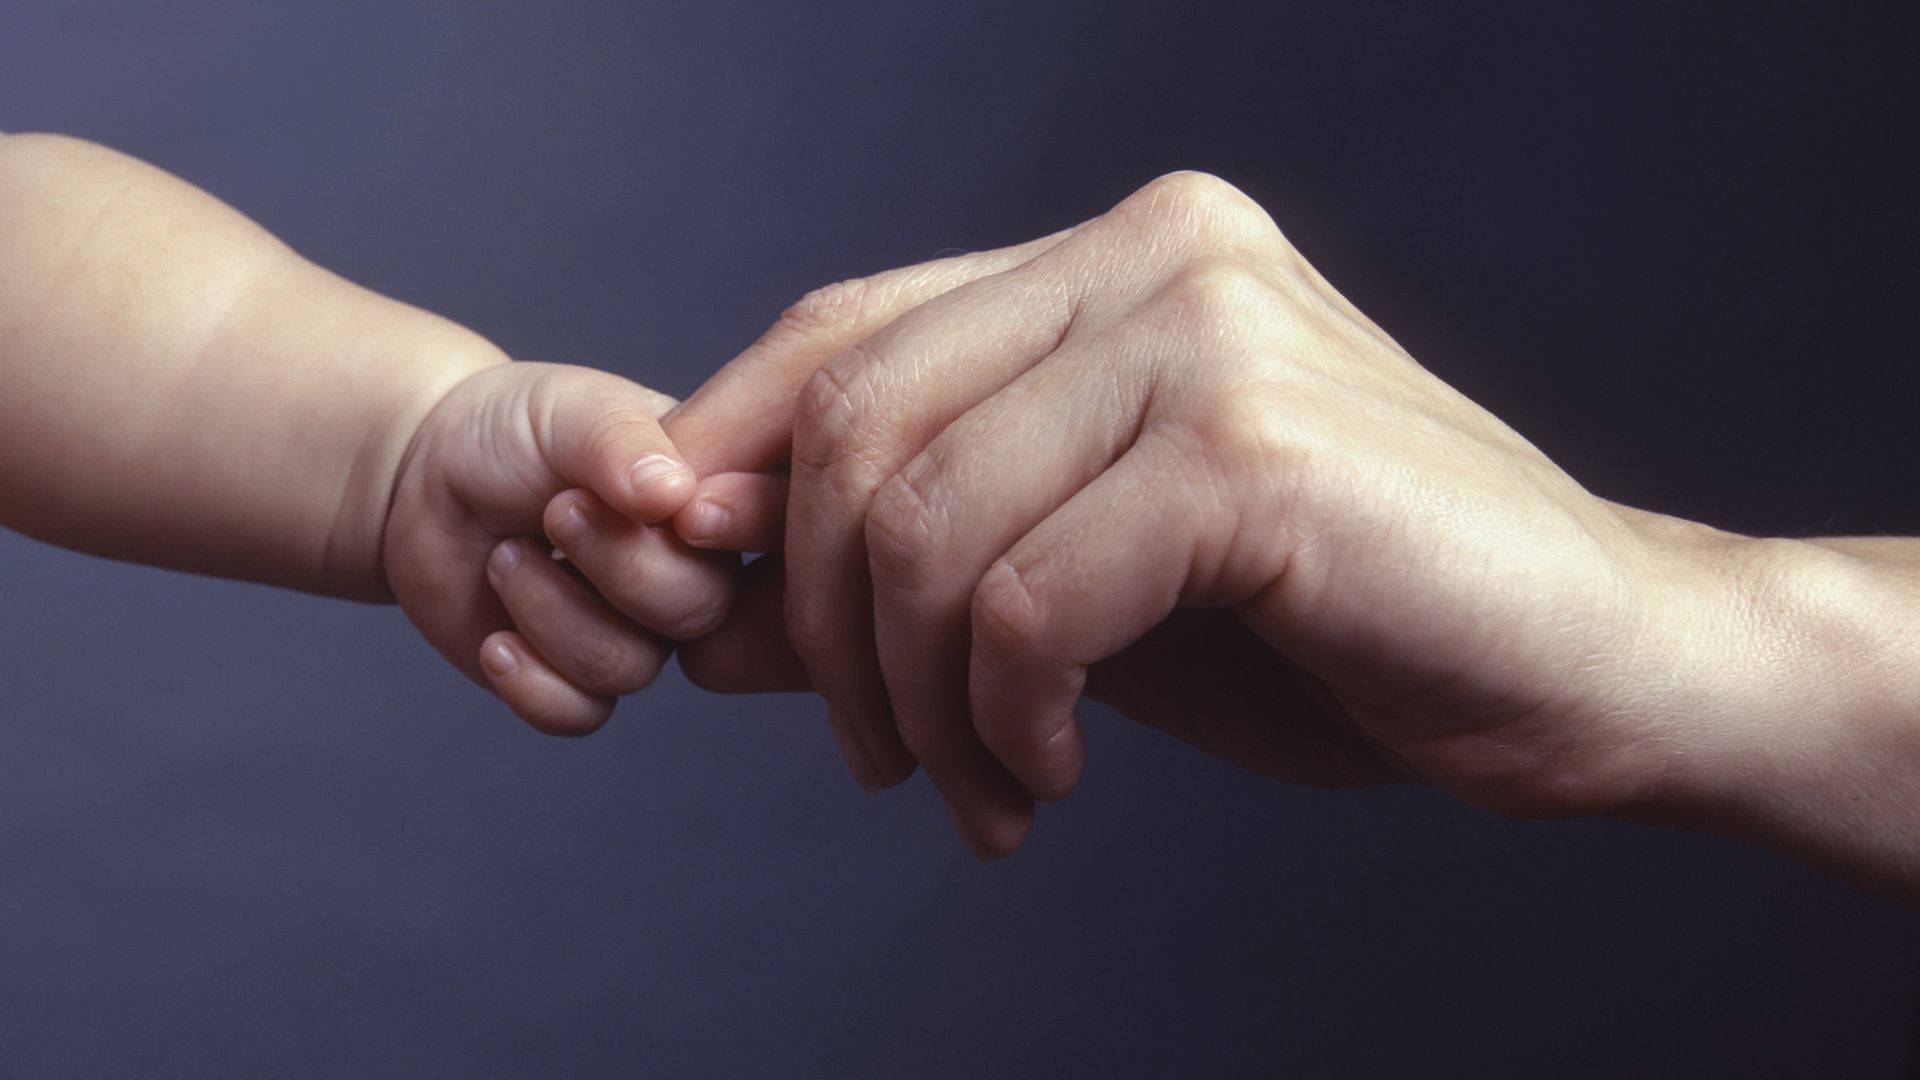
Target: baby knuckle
x,y
564,720
610,436
609,667
699,616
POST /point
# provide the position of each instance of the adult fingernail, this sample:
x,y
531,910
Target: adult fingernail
x,y
653,469
498,659
706,521
570,528
854,751
892,761
970,834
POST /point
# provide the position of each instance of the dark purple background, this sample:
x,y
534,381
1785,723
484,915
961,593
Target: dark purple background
x,y
245,832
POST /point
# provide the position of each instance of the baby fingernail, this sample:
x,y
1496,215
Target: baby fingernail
x,y
506,556
706,521
653,469
498,659
569,528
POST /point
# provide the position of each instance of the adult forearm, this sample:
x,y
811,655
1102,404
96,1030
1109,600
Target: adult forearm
x,y
1815,722
177,387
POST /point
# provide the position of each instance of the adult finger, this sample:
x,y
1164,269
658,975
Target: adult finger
x,y
537,693
741,419
573,629
1049,608
748,653
860,418
644,571
736,511
939,523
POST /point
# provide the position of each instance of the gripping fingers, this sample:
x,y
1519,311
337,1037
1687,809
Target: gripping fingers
x,y
749,653
740,511
535,692
860,418
602,432
644,571
740,419
1049,609
577,633
939,525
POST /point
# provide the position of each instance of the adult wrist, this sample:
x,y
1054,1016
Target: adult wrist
x,y
1804,734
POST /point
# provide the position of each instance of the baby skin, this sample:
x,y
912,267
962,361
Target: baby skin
x,y
179,388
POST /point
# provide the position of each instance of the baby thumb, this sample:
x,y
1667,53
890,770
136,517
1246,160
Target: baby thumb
x,y
602,432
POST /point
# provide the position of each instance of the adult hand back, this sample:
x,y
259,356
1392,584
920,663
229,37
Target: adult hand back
x,y
1158,459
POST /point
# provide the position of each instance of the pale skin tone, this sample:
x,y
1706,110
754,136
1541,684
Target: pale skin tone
x,y
1156,459
181,389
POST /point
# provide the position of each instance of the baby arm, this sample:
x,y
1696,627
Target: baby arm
x,y
182,389
179,388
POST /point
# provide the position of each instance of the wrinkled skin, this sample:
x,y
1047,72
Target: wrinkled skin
x,y
1156,458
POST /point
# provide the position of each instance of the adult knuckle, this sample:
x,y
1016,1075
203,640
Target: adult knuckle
x,y
1190,188
906,527
812,630
1217,290
922,743
1221,309
939,746
826,308
1248,419
1007,615
832,410
1199,205
1052,765
1264,462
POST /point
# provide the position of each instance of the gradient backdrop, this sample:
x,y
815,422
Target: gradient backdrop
x,y
246,832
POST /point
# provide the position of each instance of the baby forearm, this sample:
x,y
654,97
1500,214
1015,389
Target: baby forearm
x,y
177,387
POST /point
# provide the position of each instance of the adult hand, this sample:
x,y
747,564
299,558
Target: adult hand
x,y
1157,458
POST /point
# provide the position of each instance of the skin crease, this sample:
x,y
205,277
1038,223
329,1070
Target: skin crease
x,y
182,389
1158,459
1153,458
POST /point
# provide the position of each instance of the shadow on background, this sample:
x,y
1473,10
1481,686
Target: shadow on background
x,y
251,832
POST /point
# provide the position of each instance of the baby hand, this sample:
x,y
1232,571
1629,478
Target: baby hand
x,y
521,452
